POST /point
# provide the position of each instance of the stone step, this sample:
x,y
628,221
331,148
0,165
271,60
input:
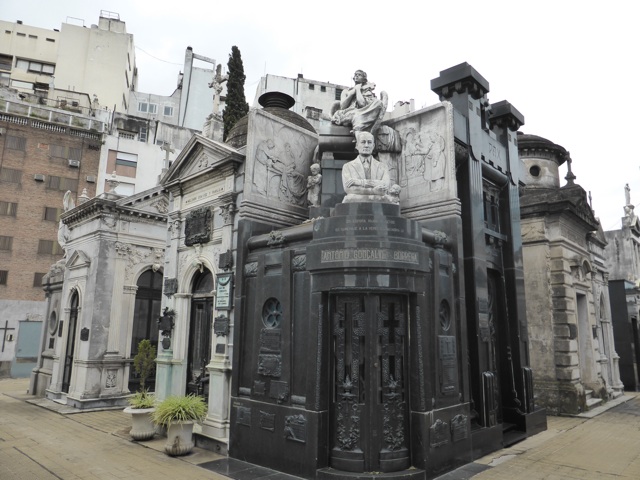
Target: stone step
x,y
593,402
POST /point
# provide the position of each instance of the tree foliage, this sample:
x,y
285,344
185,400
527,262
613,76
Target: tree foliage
x,y
236,105
144,363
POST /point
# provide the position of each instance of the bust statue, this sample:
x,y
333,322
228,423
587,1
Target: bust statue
x,y
365,179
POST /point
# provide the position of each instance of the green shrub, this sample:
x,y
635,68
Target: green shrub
x,y
142,399
144,363
180,409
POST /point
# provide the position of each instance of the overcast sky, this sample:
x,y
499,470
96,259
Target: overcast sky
x,y
570,67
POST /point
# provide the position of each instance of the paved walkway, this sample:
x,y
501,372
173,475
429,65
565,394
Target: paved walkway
x,y
40,444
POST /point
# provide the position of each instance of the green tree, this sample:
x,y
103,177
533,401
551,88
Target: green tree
x,y
144,363
236,105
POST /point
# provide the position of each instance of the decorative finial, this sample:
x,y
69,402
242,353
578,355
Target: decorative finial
x,y
570,176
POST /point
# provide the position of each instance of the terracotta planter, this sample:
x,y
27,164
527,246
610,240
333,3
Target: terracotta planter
x,y
179,438
142,428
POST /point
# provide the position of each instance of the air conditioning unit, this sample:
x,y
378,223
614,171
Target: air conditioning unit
x,y
74,163
38,177
91,178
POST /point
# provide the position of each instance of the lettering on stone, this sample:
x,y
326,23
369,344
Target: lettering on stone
x,y
439,433
221,348
369,254
448,364
279,391
111,378
259,388
267,421
198,227
270,365
170,286
270,340
459,428
243,416
295,428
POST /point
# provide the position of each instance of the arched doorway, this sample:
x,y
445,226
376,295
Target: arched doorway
x,y
199,353
146,312
71,342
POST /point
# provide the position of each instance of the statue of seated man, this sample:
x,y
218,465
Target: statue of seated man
x,y
365,179
359,108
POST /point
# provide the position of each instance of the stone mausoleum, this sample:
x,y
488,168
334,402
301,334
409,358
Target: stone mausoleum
x,y
383,330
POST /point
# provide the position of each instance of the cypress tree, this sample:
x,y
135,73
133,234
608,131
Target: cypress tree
x,y
236,105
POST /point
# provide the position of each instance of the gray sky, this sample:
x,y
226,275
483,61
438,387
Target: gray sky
x,y
570,67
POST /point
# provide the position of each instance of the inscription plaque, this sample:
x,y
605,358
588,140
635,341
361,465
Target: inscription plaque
x,y
279,391
439,433
459,429
198,227
221,326
295,428
270,365
224,291
267,421
259,388
369,255
170,286
448,364
270,340
243,416
221,348
84,334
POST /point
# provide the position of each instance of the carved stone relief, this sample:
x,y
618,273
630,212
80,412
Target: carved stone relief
x,y
295,428
111,380
439,433
424,158
198,227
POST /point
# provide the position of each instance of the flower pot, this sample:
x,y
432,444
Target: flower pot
x,y
179,438
142,428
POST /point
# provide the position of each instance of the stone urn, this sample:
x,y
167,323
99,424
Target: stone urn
x,y
142,426
179,438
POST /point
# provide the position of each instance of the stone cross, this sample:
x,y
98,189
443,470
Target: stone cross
x,y
216,84
4,334
166,146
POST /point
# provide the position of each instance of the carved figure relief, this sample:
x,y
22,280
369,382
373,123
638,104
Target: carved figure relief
x,y
198,227
359,108
161,205
295,428
439,433
111,379
423,159
281,162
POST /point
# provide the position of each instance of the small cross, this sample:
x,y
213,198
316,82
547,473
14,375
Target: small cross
x,y
166,146
4,336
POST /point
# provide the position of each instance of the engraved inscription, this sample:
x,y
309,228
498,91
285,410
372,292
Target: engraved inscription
x,y
448,364
270,340
267,421
259,388
243,416
439,433
270,365
170,286
459,430
369,254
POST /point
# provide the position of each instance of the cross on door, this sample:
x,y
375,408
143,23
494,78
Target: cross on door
x,y
5,330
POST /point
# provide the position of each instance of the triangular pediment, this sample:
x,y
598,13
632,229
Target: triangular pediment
x,y
154,201
200,155
78,259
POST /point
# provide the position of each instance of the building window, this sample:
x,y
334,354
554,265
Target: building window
x,y
37,279
68,153
52,214
3,277
6,243
168,111
52,40
145,107
16,143
323,88
312,86
8,208
142,133
10,175
62,183
35,67
49,247
338,93
126,135
126,159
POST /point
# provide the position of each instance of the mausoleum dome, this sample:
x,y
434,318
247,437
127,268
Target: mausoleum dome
x,y
276,103
542,159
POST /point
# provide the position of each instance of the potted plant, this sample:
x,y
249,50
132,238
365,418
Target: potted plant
x,y
178,414
141,404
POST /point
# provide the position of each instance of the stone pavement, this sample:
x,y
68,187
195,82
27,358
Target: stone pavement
x,y
40,444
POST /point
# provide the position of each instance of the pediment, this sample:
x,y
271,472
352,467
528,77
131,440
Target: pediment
x,y
78,259
154,201
200,155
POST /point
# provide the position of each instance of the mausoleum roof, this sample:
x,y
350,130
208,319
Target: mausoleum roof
x,y
528,144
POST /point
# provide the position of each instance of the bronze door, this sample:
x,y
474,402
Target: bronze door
x,y
369,411
199,353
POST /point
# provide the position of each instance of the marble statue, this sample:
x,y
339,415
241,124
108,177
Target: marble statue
x,y
365,179
313,186
359,108
63,230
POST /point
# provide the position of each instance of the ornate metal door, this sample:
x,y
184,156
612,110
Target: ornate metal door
x,y
199,347
71,343
369,411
